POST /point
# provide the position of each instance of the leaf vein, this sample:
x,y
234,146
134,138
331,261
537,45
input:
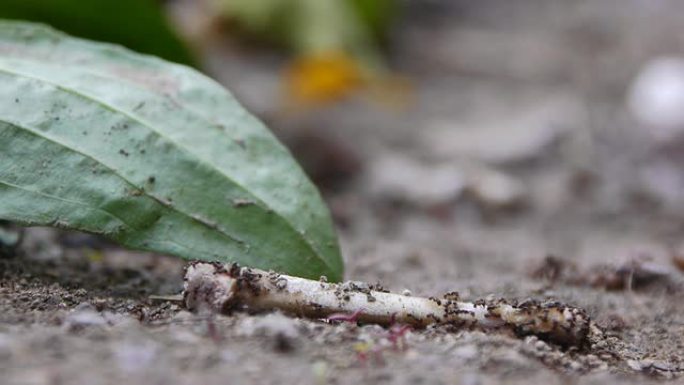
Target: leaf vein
x,y
128,182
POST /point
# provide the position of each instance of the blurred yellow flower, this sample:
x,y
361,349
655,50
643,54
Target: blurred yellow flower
x,y
321,77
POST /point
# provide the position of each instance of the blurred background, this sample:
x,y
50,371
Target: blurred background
x,y
521,149
442,130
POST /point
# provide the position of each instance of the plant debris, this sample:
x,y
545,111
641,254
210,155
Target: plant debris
x,y
678,260
632,275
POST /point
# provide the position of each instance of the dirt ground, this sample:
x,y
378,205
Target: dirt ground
x,y
517,169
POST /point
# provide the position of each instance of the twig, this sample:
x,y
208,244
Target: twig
x,y
224,288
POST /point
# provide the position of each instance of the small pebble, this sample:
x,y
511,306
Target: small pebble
x,y
83,319
541,345
634,365
280,329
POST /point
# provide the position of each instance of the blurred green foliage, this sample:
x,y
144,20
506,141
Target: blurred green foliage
x,y
357,27
377,15
140,25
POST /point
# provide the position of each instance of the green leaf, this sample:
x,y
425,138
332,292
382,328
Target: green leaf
x,y
137,24
151,154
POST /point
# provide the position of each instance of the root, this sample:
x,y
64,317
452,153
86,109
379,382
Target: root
x,y
225,288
